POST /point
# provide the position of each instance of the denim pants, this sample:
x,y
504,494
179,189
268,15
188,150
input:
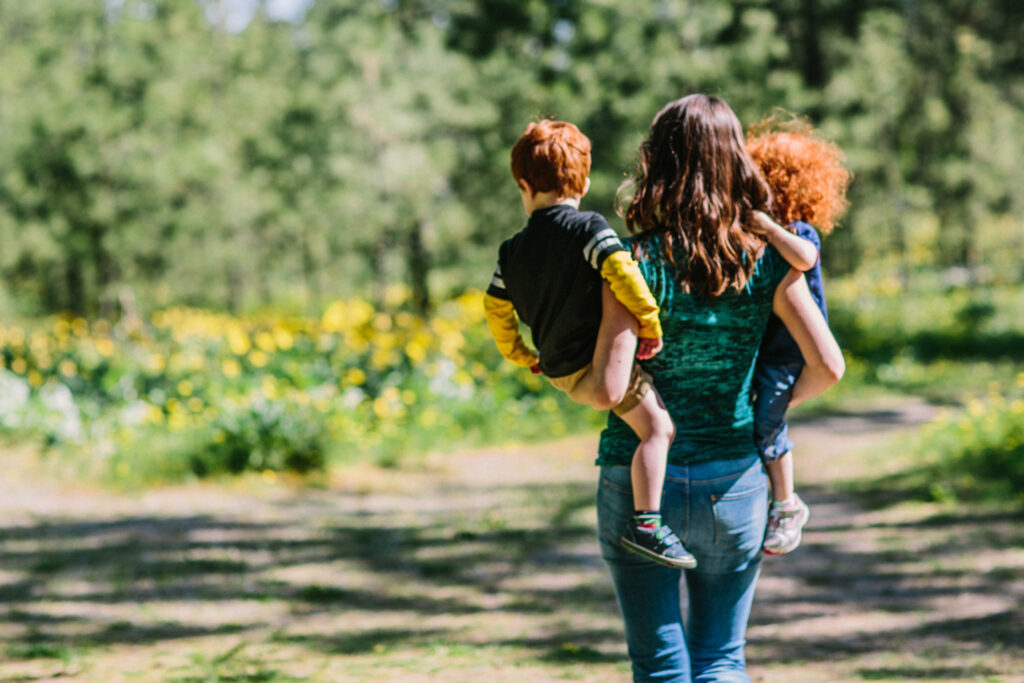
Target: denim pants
x,y
773,386
719,511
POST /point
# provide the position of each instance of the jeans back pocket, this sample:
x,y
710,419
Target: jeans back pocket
x,y
740,518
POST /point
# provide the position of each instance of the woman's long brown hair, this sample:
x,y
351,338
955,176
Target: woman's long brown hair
x,y
694,186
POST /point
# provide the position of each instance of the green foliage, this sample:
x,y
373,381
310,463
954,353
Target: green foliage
x,y
151,157
980,453
944,342
191,393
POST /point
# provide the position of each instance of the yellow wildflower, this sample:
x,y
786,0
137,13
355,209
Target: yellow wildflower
x,y
416,351
238,341
185,387
177,421
268,387
230,368
266,342
104,346
16,336
284,339
975,407
258,358
355,377
67,368
156,363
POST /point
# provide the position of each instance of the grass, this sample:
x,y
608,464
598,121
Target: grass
x,y
941,343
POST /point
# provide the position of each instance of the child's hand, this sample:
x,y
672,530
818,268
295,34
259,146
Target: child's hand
x,y
762,224
535,368
648,348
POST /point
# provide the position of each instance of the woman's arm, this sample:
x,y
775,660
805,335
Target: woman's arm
x,y
802,317
798,252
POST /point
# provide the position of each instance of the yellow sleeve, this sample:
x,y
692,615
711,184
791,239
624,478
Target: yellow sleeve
x,y
629,287
504,326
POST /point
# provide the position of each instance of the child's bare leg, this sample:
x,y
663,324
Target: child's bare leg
x,y
646,533
651,422
780,474
604,386
787,514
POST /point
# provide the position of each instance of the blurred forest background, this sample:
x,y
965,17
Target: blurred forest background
x,y
252,234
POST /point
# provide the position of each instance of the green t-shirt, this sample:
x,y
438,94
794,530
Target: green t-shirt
x,y
705,369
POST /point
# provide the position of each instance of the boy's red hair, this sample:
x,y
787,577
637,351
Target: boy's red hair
x,y
806,174
552,156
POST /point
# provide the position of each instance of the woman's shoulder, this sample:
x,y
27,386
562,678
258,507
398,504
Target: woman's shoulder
x,y
770,268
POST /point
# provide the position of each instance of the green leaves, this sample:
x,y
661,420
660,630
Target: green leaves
x,y
146,149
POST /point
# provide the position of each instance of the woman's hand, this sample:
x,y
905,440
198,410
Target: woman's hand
x,y
824,359
648,348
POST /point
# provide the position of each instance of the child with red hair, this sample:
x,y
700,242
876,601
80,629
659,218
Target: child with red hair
x,y
572,281
808,180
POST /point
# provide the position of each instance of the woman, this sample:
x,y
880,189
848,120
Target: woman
x,y
716,282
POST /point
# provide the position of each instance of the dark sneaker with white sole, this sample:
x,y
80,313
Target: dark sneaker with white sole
x,y
658,545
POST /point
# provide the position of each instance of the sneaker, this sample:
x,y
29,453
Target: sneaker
x,y
658,545
785,527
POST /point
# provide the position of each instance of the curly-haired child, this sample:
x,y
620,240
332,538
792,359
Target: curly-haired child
x,y
572,281
809,180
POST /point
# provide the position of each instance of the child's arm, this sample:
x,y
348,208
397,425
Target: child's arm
x,y
630,288
803,319
800,253
504,327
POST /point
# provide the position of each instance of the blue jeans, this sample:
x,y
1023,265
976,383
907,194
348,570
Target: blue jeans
x,y
773,386
719,511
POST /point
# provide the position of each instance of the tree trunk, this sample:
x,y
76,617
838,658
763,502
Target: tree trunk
x,y
419,269
379,270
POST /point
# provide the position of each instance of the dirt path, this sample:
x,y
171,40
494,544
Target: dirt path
x,y
447,573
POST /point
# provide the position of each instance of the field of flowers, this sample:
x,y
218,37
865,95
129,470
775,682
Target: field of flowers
x,y
978,452
194,393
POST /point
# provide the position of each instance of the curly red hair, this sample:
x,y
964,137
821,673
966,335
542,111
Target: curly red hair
x,y
806,173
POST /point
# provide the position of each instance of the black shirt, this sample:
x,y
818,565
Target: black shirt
x,y
551,272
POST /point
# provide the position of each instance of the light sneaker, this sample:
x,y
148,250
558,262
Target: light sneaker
x,y
785,526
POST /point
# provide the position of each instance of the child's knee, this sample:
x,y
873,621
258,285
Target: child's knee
x,y
605,398
662,425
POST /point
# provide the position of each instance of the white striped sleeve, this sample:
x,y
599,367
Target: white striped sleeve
x,y
603,243
497,287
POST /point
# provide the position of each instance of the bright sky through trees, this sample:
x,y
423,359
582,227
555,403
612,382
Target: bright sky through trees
x,y
238,13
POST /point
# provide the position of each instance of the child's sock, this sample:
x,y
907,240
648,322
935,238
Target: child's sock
x,y
787,503
647,519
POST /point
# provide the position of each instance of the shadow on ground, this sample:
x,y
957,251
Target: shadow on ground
x,y
437,568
